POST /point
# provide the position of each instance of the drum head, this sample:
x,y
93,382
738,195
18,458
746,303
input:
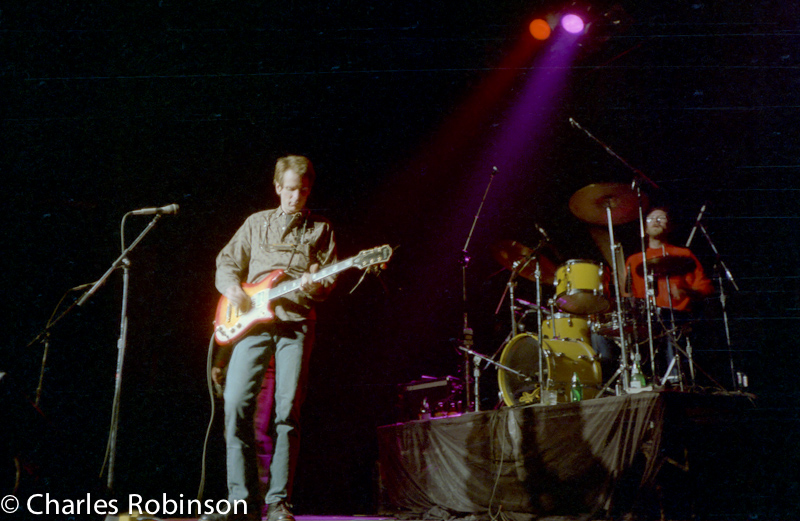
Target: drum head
x,y
520,354
567,357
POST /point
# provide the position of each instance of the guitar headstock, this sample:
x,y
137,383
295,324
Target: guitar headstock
x,y
373,256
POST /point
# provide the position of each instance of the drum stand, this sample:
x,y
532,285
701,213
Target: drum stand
x,y
518,267
623,368
639,176
649,292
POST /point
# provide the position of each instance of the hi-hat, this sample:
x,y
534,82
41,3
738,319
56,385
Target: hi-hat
x,y
668,265
591,202
514,255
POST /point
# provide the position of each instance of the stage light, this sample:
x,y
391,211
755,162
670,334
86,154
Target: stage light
x,y
572,23
540,29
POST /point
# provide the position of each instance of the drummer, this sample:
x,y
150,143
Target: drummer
x,y
678,286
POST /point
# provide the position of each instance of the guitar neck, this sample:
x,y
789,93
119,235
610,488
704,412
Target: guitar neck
x,y
293,285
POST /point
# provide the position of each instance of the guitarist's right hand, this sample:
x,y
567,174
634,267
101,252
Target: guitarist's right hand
x,y
238,297
218,378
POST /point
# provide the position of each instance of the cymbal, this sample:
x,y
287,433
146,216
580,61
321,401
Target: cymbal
x,y
668,265
512,254
589,204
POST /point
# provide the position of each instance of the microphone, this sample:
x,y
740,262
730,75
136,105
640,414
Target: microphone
x,y
169,209
541,230
696,223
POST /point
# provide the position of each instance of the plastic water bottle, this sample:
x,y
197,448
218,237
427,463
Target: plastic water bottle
x,y
576,388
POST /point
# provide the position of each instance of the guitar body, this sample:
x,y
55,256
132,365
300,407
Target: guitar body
x,y
230,323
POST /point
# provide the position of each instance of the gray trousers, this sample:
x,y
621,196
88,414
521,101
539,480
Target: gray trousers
x,y
291,344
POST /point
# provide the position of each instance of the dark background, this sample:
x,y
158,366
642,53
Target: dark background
x,y
109,107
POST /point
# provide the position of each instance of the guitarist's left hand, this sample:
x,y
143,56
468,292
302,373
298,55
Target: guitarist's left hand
x,y
307,284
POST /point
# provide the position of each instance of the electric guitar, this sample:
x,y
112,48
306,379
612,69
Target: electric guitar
x,y
230,323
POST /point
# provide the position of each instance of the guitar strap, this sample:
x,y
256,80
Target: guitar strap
x,y
299,237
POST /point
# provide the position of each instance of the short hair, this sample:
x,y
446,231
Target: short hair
x,y
655,208
300,164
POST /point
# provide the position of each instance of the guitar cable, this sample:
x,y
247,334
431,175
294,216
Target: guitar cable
x,y
211,397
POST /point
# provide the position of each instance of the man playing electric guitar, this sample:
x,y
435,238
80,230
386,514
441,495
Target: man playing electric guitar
x,y
287,240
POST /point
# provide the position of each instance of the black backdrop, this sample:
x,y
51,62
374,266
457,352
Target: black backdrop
x,y
111,107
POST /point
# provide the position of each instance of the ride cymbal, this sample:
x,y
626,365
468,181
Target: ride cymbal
x,y
590,203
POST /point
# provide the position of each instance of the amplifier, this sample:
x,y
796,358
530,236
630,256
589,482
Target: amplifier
x,y
430,397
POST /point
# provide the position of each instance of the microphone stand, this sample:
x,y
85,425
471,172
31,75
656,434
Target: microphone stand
x,y
492,361
44,337
723,299
122,261
467,340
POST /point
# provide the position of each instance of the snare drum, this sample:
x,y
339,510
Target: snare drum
x,y
580,287
634,321
563,326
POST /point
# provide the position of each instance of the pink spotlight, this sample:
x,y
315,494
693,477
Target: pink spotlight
x,y
572,23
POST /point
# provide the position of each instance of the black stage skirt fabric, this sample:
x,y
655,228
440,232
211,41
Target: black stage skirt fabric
x,y
600,456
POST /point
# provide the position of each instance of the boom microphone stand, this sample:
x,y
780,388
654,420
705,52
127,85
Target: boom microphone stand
x,y
121,261
467,339
723,298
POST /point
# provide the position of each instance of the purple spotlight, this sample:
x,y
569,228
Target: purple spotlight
x,y
572,23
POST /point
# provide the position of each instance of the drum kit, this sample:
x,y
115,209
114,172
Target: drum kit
x,y
588,313
543,366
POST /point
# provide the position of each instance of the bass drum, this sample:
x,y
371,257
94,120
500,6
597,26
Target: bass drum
x,y
562,358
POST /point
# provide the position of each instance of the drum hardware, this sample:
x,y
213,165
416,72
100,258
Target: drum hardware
x,y
613,324
519,258
522,261
530,307
675,364
610,204
627,202
683,328
512,254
